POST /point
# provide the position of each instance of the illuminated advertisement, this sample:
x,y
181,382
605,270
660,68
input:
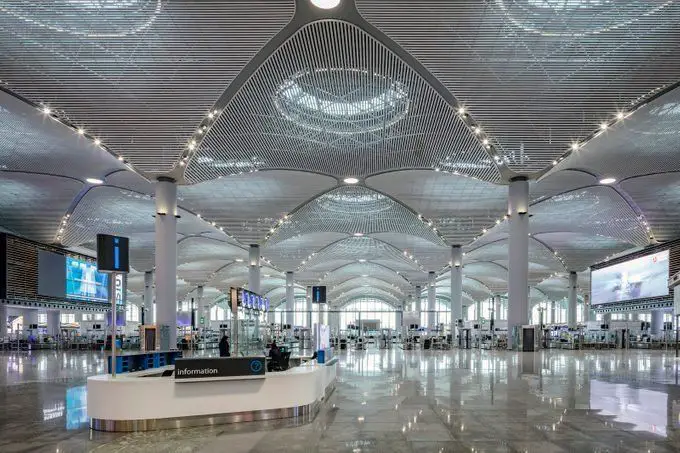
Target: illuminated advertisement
x,y
84,282
639,278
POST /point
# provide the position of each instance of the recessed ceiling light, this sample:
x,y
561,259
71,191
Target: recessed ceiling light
x,y
362,260
607,180
358,234
604,126
351,180
325,4
238,260
364,275
94,181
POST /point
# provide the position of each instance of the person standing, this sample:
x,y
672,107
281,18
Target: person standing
x,y
224,347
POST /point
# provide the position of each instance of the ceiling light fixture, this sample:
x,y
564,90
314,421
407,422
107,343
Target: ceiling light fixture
x,y
81,131
604,126
361,260
574,146
461,110
358,234
239,260
97,142
46,110
94,181
607,180
351,180
325,4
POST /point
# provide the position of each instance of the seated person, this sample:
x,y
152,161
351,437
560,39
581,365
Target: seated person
x,y
274,355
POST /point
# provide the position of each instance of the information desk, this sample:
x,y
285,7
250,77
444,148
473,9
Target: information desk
x,y
144,360
145,400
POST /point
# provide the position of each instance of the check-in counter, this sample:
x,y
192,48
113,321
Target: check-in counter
x,y
146,400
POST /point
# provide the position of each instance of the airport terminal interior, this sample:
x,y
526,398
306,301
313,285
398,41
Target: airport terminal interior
x,y
339,226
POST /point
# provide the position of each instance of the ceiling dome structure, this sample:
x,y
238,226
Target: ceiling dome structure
x,y
342,101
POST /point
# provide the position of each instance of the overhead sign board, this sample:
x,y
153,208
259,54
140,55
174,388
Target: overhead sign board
x,y
113,253
219,369
319,294
248,299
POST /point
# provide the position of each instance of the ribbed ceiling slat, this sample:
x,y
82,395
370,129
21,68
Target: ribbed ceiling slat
x,y
538,75
140,74
334,100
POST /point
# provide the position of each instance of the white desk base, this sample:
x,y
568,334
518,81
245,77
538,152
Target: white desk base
x,y
131,402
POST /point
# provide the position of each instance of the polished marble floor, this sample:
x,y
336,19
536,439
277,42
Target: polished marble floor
x,y
390,400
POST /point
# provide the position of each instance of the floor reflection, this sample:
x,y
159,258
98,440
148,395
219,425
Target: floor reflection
x,y
389,400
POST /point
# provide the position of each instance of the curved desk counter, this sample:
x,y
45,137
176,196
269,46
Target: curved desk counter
x,y
143,401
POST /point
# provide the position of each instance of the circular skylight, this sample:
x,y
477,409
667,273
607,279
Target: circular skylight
x,y
575,17
354,202
89,18
342,101
325,4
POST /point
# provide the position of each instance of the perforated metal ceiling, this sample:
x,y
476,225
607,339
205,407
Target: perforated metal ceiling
x,y
331,102
538,75
128,72
334,100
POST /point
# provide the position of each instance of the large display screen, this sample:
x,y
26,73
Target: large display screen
x,y
640,278
83,282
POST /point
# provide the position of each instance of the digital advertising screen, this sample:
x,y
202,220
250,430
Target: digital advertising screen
x,y
639,278
84,282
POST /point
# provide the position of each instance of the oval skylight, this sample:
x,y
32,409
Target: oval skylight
x,y
342,101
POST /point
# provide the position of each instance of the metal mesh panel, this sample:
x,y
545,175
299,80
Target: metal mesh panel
x,y
249,205
658,196
350,271
581,250
353,209
333,100
31,141
288,254
357,249
644,143
538,75
110,67
33,205
365,282
459,207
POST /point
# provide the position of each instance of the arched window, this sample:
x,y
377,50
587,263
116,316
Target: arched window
x,y
376,312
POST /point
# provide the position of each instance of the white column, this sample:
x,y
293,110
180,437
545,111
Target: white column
x,y
419,304
431,300
497,307
456,285
571,301
148,297
518,268
553,319
254,268
657,322
3,320
200,309
290,298
53,322
166,259
308,305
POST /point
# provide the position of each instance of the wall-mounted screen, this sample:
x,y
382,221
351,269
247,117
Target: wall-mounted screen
x,y
83,282
639,278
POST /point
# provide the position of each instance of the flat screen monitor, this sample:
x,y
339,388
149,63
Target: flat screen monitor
x,y
84,282
639,278
319,294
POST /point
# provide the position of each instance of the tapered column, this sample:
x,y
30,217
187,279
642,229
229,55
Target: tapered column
x,y
456,285
53,322
419,304
553,313
657,322
166,259
497,307
148,297
254,268
200,309
3,320
290,298
431,300
518,268
571,301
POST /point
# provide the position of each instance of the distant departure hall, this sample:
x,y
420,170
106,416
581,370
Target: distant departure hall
x,y
256,226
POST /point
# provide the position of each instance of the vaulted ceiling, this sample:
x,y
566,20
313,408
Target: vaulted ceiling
x,y
262,110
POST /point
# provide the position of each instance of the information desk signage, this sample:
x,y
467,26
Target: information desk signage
x,y
219,369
